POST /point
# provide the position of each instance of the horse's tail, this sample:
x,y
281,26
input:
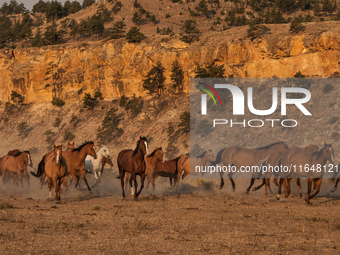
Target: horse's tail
x,y
41,168
218,157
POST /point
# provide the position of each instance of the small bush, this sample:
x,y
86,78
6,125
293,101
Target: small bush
x,y
6,205
108,129
74,118
327,88
23,129
17,98
99,95
89,102
332,104
57,102
123,100
57,122
333,120
68,136
171,150
96,207
184,124
335,135
49,137
135,105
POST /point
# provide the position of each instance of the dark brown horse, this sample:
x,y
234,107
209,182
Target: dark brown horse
x,y
133,162
236,156
15,164
56,170
292,159
74,160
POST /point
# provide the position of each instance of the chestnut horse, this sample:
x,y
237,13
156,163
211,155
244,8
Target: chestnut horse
x,y
165,169
273,160
133,162
236,156
56,170
293,158
184,164
105,161
70,146
16,164
75,160
11,153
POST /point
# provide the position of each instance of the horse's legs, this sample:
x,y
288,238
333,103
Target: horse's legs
x,y
267,185
288,190
28,178
184,175
54,180
42,180
20,178
82,174
260,186
279,191
127,175
317,185
232,181
142,178
298,183
179,175
49,186
14,176
333,190
121,176
222,181
251,184
275,180
310,182
133,190
153,181
170,181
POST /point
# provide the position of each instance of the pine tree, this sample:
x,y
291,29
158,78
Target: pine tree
x,y
134,35
118,30
177,76
189,31
154,82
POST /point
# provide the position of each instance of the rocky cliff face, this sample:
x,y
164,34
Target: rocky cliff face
x,y
116,67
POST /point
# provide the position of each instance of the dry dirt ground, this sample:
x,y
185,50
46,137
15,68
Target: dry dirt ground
x,y
190,219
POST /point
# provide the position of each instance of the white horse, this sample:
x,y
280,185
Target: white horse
x,y
93,166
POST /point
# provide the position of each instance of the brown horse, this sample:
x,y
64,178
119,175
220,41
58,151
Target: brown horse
x,y
151,162
12,153
105,160
294,161
164,169
70,146
184,164
74,160
16,164
56,170
133,162
273,160
235,156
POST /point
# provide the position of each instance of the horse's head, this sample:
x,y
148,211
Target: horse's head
x,y
143,145
104,151
209,155
57,154
29,159
70,146
159,154
91,150
329,152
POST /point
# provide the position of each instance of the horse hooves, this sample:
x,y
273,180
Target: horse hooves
x,y
247,192
136,198
254,189
221,186
233,190
333,190
277,197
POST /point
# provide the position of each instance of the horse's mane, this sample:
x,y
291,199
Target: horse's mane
x,y
201,156
318,153
153,153
27,152
81,146
18,154
269,146
142,139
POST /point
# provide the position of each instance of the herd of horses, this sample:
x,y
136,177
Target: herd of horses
x,y
57,165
